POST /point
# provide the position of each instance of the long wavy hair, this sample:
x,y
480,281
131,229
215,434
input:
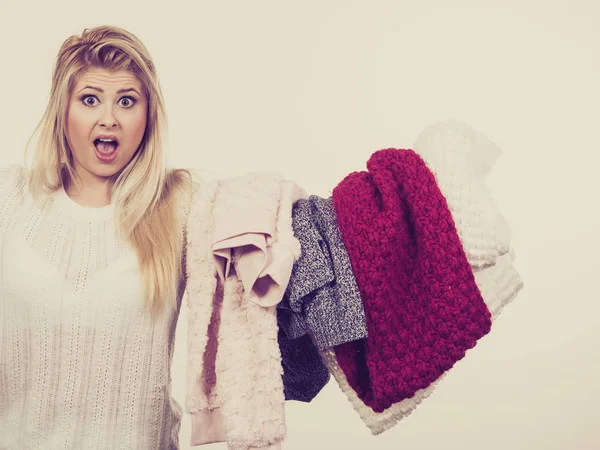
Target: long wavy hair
x,y
146,194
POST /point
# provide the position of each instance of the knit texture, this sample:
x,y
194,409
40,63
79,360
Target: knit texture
x,y
498,282
499,285
461,159
322,297
247,399
377,422
422,305
82,364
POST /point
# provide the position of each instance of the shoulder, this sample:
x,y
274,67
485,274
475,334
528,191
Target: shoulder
x,y
193,190
12,180
203,181
11,174
13,188
204,191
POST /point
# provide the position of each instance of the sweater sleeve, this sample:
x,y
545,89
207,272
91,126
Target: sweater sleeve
x,y
12,184
10,178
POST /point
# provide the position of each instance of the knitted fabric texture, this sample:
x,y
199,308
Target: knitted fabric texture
x,y
245,406
498,283
304,371
461,159
423,308
82,363
322,297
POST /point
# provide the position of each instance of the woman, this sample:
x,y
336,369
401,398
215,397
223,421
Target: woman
x,y
91,245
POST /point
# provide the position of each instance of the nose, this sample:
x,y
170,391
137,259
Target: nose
x,y
108,118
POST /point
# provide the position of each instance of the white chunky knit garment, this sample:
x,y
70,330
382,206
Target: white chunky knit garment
x,y
82,366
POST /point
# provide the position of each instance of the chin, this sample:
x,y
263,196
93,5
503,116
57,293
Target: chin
x,y
106,171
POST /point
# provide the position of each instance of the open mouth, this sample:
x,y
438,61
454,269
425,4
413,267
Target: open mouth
x,y
106,146
106,149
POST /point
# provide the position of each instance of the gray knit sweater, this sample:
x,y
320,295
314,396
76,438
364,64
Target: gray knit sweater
x,y
322,297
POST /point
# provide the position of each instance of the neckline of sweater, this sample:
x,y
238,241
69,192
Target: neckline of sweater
x,y
74,209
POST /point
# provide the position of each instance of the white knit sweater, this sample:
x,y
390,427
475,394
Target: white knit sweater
x,y
82,366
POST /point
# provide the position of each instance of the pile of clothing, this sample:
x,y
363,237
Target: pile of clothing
x,y
385,285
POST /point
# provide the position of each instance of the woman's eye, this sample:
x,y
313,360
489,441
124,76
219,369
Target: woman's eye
x,y
127,102
89,100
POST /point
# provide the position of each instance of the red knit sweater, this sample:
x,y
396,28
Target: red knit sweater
x,y
422,305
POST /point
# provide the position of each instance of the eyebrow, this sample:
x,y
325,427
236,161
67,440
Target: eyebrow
x,y
120,91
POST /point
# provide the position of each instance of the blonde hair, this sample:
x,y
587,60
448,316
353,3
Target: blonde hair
x,y
145,193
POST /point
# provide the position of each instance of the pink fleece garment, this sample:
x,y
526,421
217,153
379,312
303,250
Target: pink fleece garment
x,y
236,272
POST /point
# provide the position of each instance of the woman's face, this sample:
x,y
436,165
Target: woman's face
x,y
106,121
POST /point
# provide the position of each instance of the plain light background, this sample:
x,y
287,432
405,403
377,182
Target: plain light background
x,y
311,89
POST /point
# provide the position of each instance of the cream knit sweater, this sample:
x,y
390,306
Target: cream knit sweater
x,y
81,364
